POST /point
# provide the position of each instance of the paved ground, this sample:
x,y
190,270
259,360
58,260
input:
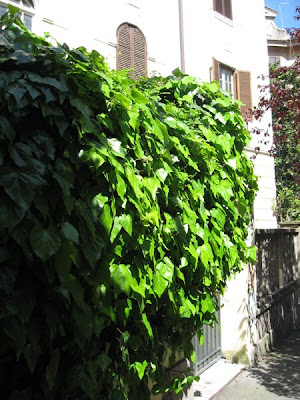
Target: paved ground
x,y
276,377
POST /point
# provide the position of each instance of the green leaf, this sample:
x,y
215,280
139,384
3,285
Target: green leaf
x,y
206,254
193,357
207,305
177,72
65,257
106,218
139,97
252,252
126,223
166,269
70,232
122,277
16,331
123,100
6,128
123,221
20,186
103,361
152,184
140,368
160,284
71,283
31,355
147,325
44,242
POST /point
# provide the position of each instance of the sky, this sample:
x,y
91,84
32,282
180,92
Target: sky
x,y
286,12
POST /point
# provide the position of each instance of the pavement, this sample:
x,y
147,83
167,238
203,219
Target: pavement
x,y
276,377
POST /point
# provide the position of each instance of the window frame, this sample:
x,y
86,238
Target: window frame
x,y
224,12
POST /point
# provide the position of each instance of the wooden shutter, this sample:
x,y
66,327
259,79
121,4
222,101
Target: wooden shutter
x,y
215,70
131,50
123,47
244,90
139,53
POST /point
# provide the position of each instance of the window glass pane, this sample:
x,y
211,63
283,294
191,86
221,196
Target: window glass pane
x,y
27,20
228,9
3,10
218,6
27,3
226,79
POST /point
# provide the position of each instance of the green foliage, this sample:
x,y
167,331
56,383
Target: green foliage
x,y
124,209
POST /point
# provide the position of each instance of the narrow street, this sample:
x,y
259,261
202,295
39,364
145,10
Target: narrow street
x,y
277,376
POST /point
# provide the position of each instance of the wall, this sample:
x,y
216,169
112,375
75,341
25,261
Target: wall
x,y
235,333
93,24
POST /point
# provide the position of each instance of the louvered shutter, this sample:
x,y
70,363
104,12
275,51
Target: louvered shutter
x,y
139,54
131,50
244,90
216,70
123,47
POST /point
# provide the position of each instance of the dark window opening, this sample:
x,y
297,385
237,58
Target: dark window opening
x,y
223,7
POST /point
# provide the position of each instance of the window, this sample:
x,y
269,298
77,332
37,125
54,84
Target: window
x,y
236,82
26,10
223,7
226,79
131,50
274,60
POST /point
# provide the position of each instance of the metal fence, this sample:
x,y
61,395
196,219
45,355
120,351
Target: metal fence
x,y
210,351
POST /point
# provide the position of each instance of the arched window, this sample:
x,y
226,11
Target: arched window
x,y
131,50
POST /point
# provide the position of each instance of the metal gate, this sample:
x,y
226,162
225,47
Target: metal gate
x,y
210,352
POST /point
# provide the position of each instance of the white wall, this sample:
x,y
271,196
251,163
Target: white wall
x,y
94,23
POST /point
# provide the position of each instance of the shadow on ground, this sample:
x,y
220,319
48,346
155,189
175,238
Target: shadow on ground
x,y
279,373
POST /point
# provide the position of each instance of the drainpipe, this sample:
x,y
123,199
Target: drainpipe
x,y
181,37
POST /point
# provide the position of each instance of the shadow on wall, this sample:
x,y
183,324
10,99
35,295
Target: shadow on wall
x,y
281,374
276,259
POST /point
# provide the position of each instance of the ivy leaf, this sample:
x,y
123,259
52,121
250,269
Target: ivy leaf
x,y
44,242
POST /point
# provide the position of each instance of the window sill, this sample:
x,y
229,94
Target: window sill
x,y
224,19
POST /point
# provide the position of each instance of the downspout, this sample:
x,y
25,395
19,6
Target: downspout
x,y
181,37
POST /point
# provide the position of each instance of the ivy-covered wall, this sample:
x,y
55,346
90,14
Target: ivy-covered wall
x,y
124,209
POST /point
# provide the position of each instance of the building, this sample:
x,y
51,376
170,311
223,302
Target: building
x,y
210,39
280,45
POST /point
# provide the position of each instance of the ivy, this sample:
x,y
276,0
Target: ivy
x,y
124,210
